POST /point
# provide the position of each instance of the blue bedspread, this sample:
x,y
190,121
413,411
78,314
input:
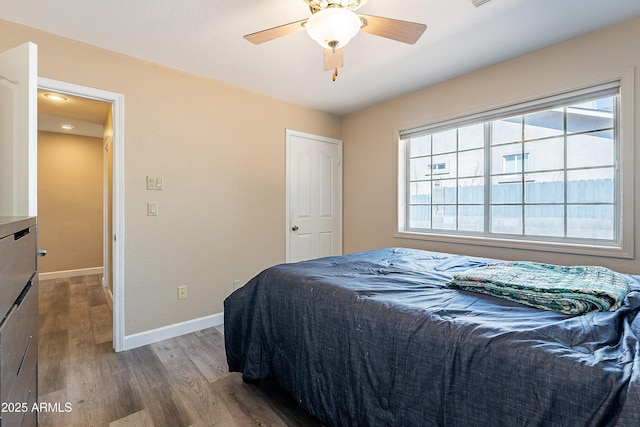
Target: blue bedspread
x,y
378,339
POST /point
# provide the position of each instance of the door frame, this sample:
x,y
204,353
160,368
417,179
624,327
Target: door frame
x,y
289,134
117,102
106,214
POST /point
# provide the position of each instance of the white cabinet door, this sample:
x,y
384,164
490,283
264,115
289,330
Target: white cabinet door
x,y
19,131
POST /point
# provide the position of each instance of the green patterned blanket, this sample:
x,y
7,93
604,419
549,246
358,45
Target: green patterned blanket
x,y
571,290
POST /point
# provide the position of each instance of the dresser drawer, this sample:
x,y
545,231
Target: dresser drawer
x,y
18,255
24,392
19,340
23,416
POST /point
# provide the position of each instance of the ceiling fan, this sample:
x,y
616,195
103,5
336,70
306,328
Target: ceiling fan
x,y
333,23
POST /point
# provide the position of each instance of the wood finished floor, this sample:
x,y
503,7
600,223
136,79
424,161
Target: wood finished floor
x,y
182,381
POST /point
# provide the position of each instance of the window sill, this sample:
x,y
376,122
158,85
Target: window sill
x,y
591,249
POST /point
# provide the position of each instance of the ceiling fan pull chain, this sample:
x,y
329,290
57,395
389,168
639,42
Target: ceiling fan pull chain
x,y
335,74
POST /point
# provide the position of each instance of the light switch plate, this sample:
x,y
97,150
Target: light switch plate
x,y
152,208
154,183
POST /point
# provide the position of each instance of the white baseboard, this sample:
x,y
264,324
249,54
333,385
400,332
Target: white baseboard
x,y
109,296
171,331
71,273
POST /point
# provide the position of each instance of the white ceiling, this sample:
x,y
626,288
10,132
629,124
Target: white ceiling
x,y
204,37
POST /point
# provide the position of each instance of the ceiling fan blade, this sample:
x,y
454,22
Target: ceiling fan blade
x,y
275,32
394,29
333,60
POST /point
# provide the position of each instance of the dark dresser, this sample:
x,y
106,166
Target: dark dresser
x,y
19,324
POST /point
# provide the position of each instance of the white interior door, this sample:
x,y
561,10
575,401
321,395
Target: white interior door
x,y
314,196
19,131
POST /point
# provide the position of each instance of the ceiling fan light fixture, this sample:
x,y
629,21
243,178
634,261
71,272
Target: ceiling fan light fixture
x,y
334,27
324,4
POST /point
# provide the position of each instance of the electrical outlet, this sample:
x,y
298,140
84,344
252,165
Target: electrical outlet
x,y
182,292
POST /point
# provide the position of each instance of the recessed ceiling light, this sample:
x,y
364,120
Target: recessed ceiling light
x,y
67,127
55,97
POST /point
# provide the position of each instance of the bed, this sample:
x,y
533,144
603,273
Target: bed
x,y
378,338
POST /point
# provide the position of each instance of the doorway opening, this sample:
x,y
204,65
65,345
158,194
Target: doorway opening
x,y
89,107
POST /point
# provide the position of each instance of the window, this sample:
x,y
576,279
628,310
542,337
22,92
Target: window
x,y
512,163
545,171
439,168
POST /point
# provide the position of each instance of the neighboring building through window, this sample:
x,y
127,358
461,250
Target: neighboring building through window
x,y
513,163
545,171
439,168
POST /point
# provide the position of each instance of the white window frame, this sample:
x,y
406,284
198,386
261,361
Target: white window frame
x,y
623,247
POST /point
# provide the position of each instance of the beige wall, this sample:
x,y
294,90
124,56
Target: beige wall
x,y
370,136
221,151
69,201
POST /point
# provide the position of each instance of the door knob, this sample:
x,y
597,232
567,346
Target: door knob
x,y
42,252
294,228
